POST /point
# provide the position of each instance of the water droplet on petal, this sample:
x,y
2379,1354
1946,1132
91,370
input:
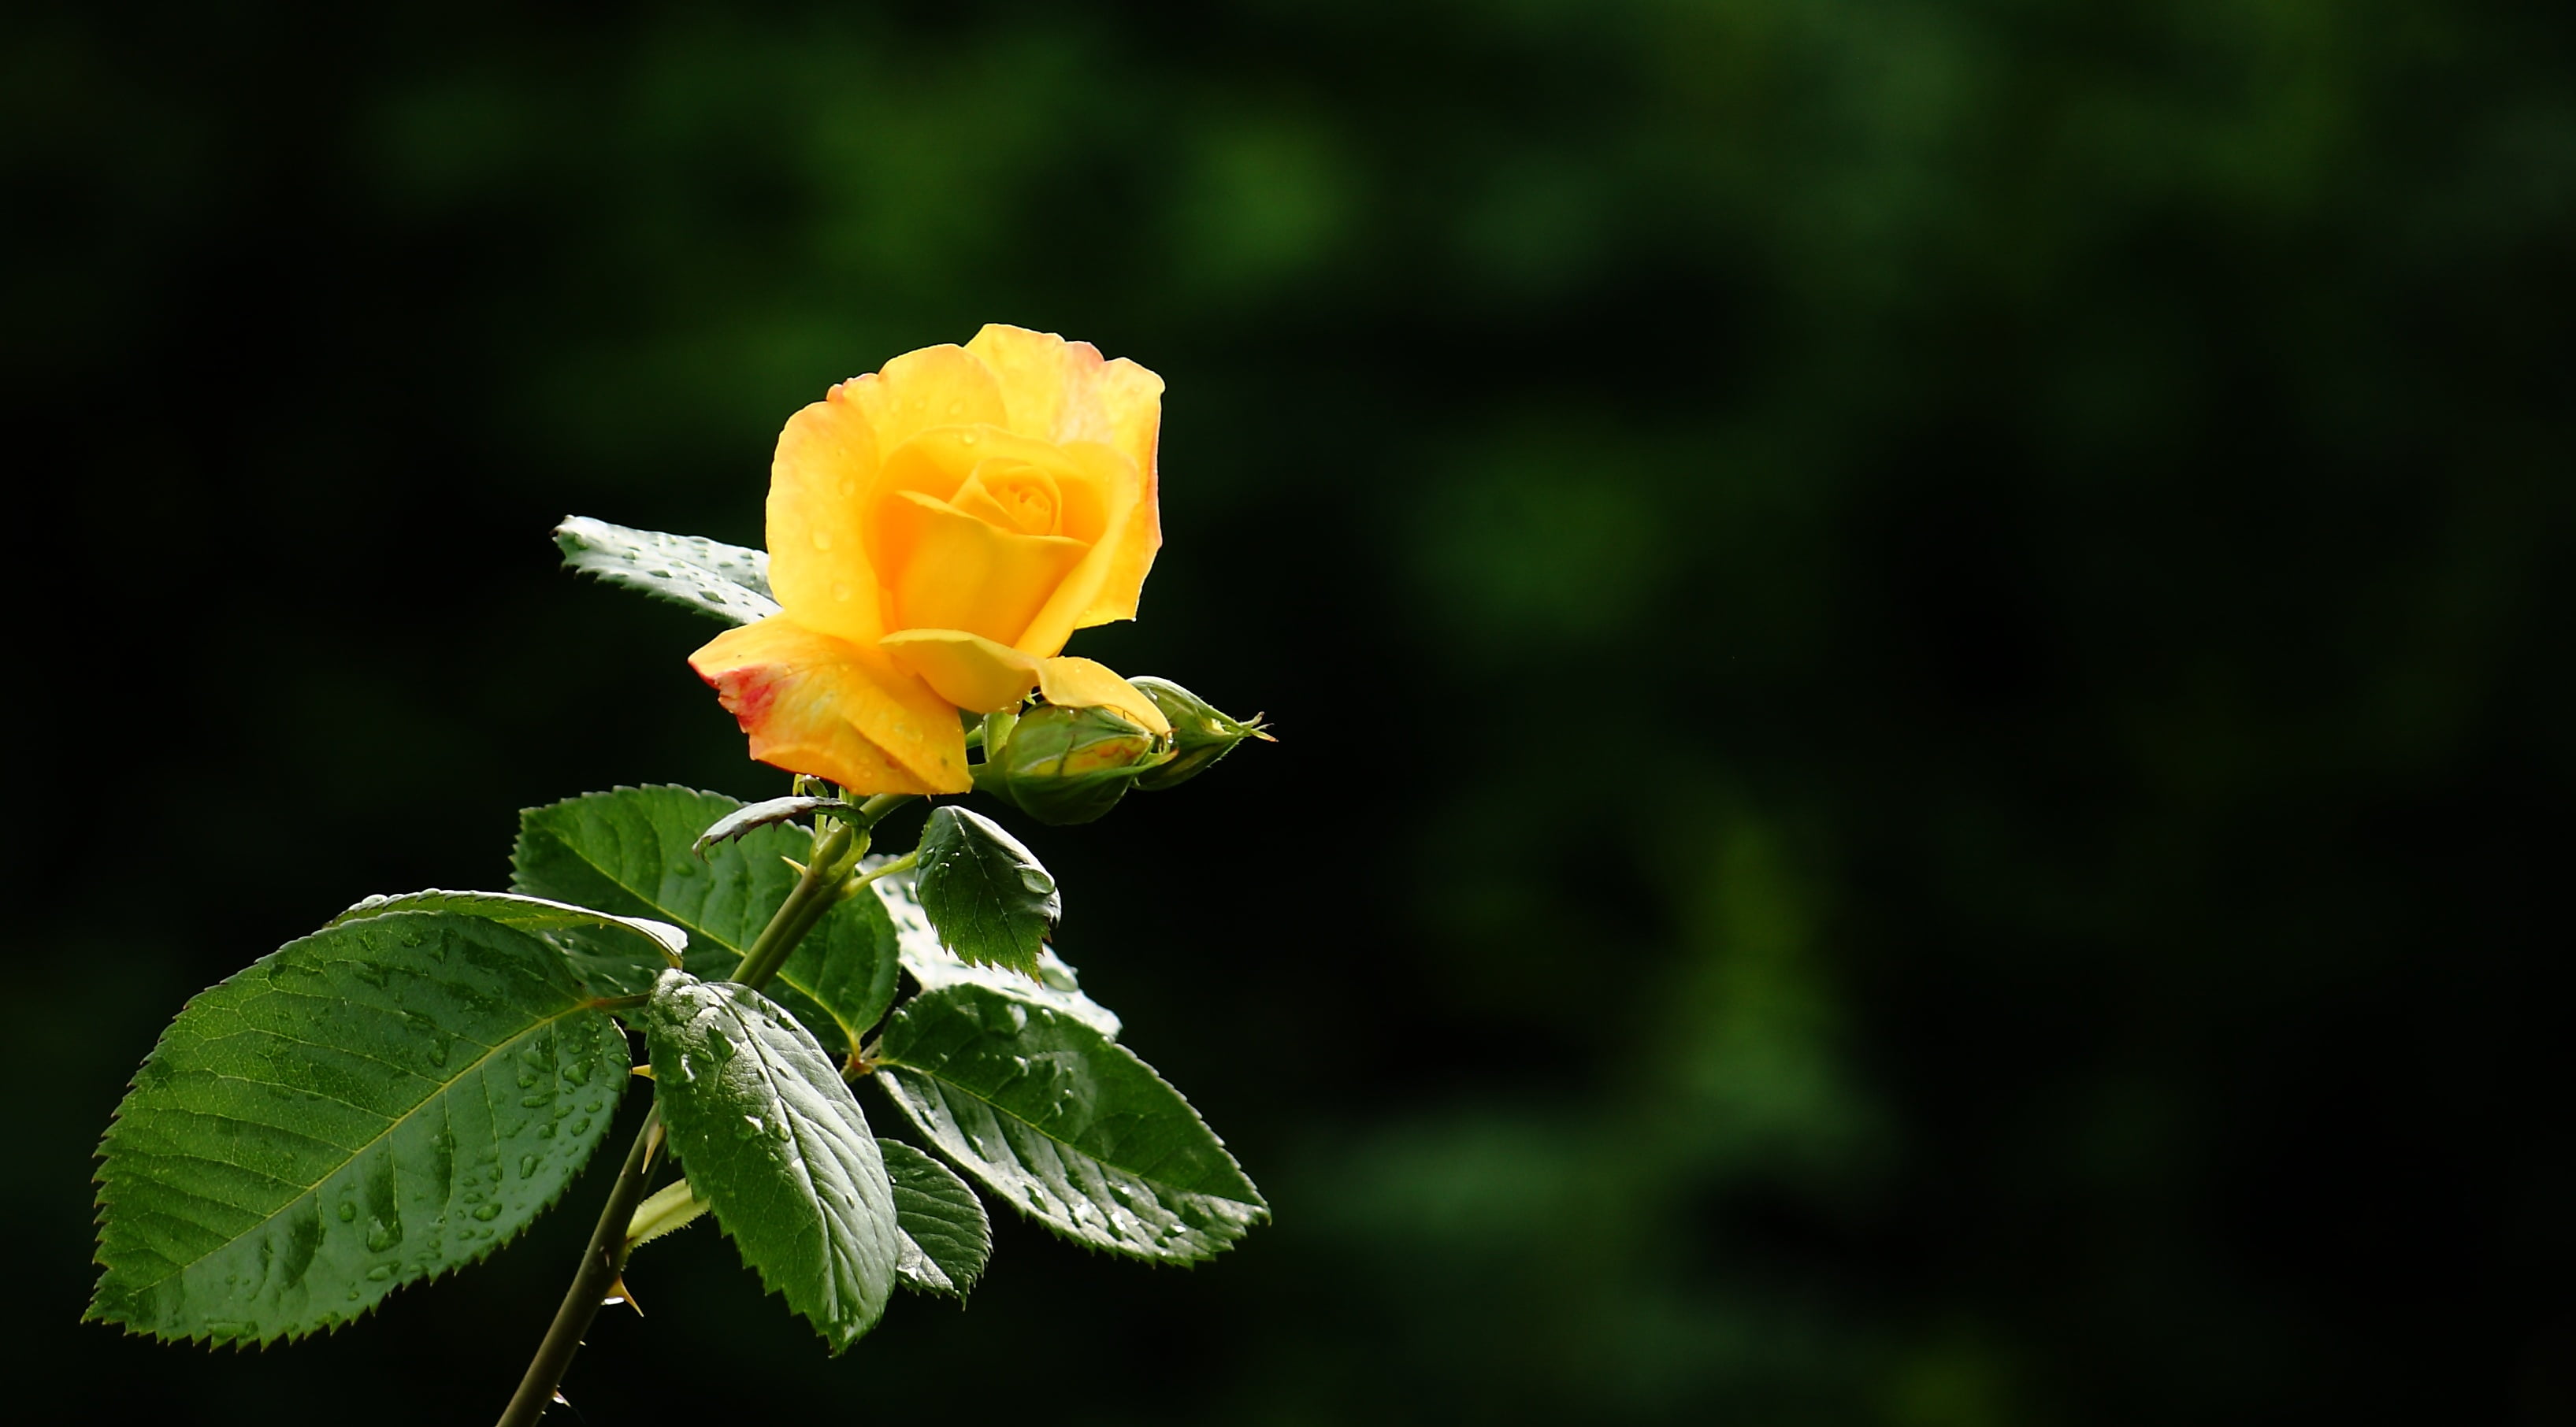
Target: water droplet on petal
x,y
822,540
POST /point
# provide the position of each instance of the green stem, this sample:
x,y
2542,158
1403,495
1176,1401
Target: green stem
x,y
813,895
601,1263
818,888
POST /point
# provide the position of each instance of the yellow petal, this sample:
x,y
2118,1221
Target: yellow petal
x,y
1062,392
818,549
819,705
1112,481
1085,683
967,670
947,570
936,386
938,462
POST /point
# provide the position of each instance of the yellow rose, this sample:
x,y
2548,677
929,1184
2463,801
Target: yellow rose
x,y
937,530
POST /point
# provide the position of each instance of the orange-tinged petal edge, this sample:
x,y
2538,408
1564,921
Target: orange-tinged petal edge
x,y
815,704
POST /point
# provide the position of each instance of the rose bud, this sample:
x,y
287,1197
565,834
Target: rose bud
x,y
1065,765
1200,733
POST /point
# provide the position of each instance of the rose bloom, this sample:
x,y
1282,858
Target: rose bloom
x,y
937,530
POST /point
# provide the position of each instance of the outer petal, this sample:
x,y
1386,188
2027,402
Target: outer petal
x,y
1063,392
818,549
936,386
968,670
1086,683
819,705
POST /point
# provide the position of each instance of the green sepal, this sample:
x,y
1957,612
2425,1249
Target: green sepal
x,y
759,1115
720,581
1068,1126
946,1238
984,890
1064,766
1201,733
630,852
369,1106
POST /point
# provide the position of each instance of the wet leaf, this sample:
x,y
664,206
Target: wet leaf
x,y
1069,1127
726,582
946,1238
985,892
372,1105
773,1142
610,976
630,852
1055,986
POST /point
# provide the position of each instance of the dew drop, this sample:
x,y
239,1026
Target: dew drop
x,y
348,1212
581,1126
380,1273
822,540
841,591
528,1165
488,1212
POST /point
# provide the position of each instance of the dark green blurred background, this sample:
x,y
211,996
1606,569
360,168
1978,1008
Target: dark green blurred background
x,y
1921,653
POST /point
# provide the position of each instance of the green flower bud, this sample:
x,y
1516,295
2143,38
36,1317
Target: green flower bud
x,y
1070,765
1200,734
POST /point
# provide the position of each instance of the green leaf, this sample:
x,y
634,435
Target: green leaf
x,y
946,1237
372,1105
776,810
726,582
931,964
773,1142
619,975
1066,1125
628,852
991,901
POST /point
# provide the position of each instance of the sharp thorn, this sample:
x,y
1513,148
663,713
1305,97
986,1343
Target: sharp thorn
x,y
618,1292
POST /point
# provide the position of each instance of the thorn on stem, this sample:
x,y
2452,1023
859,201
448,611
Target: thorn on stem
x,y
618,1292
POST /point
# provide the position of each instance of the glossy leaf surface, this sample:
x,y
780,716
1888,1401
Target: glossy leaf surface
x,y
629,852
931,965
372,1105
1067,1125
627,971
720,581
946,1238
771,1139
985,892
